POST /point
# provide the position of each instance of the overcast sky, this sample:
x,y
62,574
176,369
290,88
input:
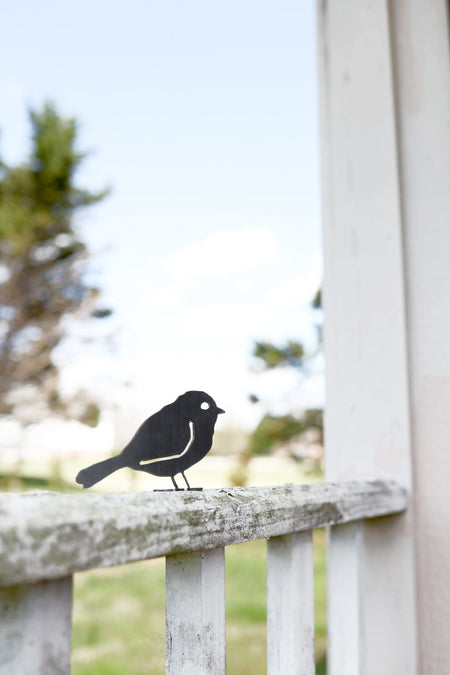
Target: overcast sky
x,y
202,117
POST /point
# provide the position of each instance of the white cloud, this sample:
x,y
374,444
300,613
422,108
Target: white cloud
x,y
226,320
299,289
165,297
225,254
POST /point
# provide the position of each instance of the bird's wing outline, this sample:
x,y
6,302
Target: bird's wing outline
x,y
143,462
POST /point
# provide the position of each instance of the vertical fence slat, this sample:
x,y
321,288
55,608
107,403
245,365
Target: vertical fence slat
x,y
35,628
195,613
344,598
290,605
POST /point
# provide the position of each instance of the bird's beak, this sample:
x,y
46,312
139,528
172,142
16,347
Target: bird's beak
x,y
219,411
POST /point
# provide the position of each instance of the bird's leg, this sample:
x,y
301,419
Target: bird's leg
x,y
174,483
188,486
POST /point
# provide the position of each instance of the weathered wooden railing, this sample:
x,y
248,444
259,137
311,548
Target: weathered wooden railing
x,y
45,538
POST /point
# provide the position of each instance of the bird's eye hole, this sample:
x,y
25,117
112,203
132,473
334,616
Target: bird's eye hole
x,y
205,405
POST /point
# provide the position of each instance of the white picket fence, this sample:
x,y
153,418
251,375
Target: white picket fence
x,y
45,538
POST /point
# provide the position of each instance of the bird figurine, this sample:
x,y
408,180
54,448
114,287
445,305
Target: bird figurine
x,y
167,443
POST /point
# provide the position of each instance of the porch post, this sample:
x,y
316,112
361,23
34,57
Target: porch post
x,y
368,431
421,52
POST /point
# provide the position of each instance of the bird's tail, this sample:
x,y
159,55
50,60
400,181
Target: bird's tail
x,y
92,474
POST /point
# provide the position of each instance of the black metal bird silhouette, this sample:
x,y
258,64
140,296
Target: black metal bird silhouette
x,y
167,443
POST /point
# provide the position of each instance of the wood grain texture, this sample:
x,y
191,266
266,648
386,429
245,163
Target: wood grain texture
x,y
35,628
195,613
48,535
290,605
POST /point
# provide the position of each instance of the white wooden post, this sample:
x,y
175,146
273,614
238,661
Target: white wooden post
x,y
195,613
420,44
344,556
35,628
290,605
368,431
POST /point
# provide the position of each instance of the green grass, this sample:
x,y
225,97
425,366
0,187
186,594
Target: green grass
x,y
119,620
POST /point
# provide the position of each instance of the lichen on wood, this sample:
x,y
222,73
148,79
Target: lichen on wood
x,y
49,536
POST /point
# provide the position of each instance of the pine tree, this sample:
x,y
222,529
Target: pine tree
x,y
41,267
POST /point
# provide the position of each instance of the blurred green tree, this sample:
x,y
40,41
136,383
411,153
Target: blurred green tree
x,y
284,430
42,278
